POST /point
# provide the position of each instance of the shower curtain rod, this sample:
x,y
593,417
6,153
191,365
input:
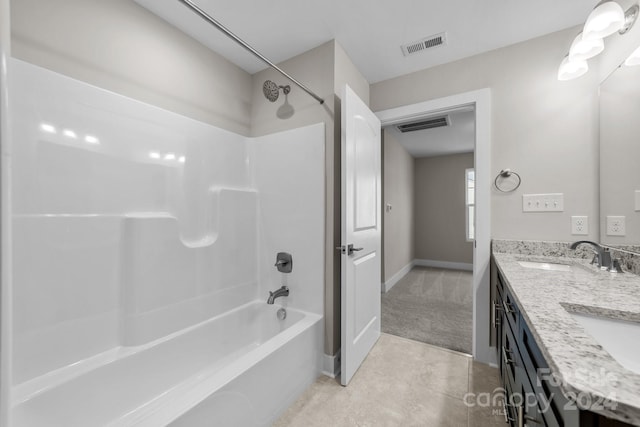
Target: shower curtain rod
x,y
244,44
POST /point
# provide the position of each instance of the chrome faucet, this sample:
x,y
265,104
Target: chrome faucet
x,y
282,292
602,257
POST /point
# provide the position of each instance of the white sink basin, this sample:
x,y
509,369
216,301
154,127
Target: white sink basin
x,y
621,339
549,266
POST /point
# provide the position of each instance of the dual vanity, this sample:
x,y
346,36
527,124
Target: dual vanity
x,y
568,338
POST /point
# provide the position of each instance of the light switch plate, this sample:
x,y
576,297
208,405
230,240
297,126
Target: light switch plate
x,y
552,202
637,200
580,225
616,226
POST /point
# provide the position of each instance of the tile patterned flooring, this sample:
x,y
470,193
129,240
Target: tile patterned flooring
x,y
431,305
403,383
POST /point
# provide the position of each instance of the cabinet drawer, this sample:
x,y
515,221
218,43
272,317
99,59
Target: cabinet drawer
x,y
509,409
556,407
510,310
498,325
527,409
500,284
509,357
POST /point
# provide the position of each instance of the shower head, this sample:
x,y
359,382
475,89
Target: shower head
x,y
272,91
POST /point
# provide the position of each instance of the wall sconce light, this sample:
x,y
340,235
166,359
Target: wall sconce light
x,y
572,69
582,49
605,19
630,17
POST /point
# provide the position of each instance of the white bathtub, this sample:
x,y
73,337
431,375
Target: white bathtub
x,y
241,368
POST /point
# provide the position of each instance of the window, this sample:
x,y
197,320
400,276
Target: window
x,y
470,202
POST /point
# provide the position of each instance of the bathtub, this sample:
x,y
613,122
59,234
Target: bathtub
x,y
204,375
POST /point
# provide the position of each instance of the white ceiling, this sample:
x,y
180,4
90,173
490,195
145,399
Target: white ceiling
x,y
459,137
371,31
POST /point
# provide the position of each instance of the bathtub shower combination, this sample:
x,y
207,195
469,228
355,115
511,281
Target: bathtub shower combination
x,y
143,255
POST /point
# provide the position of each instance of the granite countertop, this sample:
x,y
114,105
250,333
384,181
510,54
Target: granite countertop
x,y
585,368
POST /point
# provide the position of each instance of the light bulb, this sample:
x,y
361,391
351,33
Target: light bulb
x,y
605,19
570,70
582,49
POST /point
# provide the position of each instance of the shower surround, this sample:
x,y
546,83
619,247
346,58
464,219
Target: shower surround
x,y
135,229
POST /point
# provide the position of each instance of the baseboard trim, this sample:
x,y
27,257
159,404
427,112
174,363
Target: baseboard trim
x,y
386,286
331,365
443,264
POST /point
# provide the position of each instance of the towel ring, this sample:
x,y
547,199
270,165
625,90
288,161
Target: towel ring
x,y
506,173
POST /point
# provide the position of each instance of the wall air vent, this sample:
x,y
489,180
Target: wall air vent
x,y
430,123
424,44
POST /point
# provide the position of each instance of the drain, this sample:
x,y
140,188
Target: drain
x,y
282,314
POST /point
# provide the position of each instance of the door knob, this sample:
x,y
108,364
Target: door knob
x,y
349,250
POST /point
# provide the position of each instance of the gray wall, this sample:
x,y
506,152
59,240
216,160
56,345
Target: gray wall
x,y
398,171
324,69
120,46
315,69
347,73
544,129
440,231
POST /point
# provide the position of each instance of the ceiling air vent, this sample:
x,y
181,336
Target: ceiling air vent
x,y
434,122
426,43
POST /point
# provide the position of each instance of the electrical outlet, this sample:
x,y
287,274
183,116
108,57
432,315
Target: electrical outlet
x,y
553,202
580,225
616,226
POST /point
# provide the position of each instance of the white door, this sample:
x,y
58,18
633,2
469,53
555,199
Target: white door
x,y
361,232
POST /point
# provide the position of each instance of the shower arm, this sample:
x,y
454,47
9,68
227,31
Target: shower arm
x,y
244,44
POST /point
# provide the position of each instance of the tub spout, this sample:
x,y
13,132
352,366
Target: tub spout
x,y
282,292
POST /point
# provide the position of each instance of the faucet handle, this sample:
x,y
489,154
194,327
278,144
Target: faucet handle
x,y
615,266
284,262
605,259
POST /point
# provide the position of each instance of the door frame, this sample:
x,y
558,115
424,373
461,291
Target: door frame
x,y
481,100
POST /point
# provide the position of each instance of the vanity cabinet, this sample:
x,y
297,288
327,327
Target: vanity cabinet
x,y
532,395
522,405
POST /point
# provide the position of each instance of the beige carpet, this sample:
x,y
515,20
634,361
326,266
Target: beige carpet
x,y
433,306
